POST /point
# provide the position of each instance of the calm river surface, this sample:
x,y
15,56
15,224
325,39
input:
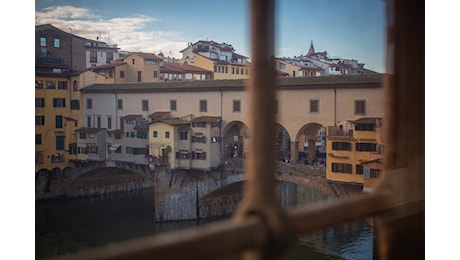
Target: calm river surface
x,y
65,226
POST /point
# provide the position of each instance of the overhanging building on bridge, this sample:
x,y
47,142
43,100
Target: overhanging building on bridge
x,y
355,152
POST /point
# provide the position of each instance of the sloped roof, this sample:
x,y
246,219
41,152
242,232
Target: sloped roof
x,y
110,65
207,119
89,129
160,114
171,121
147,56
183,68
324,82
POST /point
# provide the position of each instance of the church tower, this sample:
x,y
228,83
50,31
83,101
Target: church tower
x,y
311,50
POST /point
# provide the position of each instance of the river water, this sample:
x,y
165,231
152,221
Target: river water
x,y
66,226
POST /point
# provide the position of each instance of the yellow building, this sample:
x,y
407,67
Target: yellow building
x,y
349,147
114,72
223,69
170,142
288,69
58,115
142,67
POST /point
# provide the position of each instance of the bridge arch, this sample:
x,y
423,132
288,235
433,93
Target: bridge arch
x,y
309,144
283,143
236,139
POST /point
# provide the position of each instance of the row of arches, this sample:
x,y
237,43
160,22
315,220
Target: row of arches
x,y
307,147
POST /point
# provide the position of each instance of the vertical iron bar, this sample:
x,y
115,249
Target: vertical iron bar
x,y
260,188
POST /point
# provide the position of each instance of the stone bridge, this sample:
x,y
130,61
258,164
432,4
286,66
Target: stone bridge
x,y
183,195
87,178
179,194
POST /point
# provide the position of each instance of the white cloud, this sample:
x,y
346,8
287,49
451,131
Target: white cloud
x,y
128,33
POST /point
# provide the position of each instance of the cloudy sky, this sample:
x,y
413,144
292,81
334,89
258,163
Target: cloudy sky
x,y
346,29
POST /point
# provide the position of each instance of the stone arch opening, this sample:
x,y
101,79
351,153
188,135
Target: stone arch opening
x,y
236,138
283,144
310,145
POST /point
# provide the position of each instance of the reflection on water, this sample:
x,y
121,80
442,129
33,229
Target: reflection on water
x,y
65,226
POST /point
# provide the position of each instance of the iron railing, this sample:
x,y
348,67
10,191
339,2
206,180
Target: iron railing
x,y
260,229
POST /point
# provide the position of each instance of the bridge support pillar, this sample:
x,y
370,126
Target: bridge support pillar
x,y
311,151
294,151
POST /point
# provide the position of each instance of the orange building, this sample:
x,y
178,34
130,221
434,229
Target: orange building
x,y
353,152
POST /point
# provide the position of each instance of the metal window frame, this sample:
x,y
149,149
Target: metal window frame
x,y
260,229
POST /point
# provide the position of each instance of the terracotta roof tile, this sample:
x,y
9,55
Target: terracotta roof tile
x,y
207,119
160,114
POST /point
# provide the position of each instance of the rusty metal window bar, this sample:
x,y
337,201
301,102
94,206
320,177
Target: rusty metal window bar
x,y
260,229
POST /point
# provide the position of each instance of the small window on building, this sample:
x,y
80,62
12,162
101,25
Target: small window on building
x,y
366,147
58,121
139,76
98,121
155,74
141,135
341,146
203,105
314,106
237,106
93,57
39,84
120,104
39,102
50,84
109,122
122,74
360,107
39,120
173,105
145,105
89,103
155,134
57,43
88,121
75,104
359,169
184,135
38,139
58,102
60,142
342,168
166,134
62,85
42,41
75,86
